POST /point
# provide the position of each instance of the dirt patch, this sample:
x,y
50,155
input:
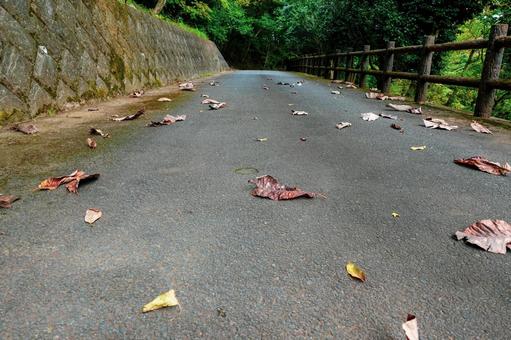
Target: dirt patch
x,y
30,158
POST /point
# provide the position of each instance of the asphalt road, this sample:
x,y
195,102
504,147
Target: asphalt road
x,y
177,216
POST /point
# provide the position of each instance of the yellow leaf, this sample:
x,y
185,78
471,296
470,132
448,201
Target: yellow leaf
x,y
395,214
355,271
418,148
167,299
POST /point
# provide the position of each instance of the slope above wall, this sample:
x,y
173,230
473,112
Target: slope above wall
x,y
58,51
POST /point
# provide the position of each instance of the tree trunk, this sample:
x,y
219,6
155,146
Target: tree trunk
x,y
159,6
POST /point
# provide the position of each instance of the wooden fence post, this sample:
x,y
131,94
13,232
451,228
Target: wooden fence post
x,y
491,70
348,63
424,69
364,64
307,63
387,67
336,65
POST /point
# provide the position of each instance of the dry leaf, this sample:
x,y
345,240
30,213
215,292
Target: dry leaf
x,y
94,131
369,116
342,125
168,120
337,81
480,163
164,99
396,127
418,148
204,95
92,109
129,117
303,139
269,187
405,108
479,127
72,181
167,299
355,271
262,139
375,95
335,92
188,86
137,93
350,85
92,215
214,83
266,88
298,113
410,327
395,214
7,200
28,129
491,235
91,143
217,106
210,101
384,115
435,123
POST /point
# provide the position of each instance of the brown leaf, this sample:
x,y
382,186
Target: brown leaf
x,y
396,127
91,109
94,131
168,120
479,127
482,164
375,95
491,235
188,86
7,200
28,129
137,93
72,180
410,327
129,117
210,101
92,215
91,143
384,115
269,187
217,106
435,123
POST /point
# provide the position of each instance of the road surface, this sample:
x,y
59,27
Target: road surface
x,y
176,215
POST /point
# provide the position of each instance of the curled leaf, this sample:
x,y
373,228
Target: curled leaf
x,y
396,127
355,272
164,99
491,235
482,164
167,299
217,106
188,86
418,148
299,113
395,214
335,92
262,139
7,200
92,215
129,117
479,127
384,115
410,327
406,108
168,120
210,101
266,88
91,143
72,181
342,125
269,187
204,95
94,131
369,116
435,123
303,139
214,83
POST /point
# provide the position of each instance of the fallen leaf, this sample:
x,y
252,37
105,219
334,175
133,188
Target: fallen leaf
x,y
335,92
479,127
491,235
410,327
418,148
384,115
92,109
283,83
210,101
435,123
294,92
262,139
337,81
129,117
376,95
369,116
72,181
266,88
214,83
350,86
91,143
92,215
168,120
481,163
355,271
303,139
269,187
405,108
217,106
164,99
94,131
188,86
137,93
221,312
396,127
7,200
416,110
395,214
298,113
28,129
342,125
204,96
167,299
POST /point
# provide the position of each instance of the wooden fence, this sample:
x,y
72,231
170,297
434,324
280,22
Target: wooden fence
x,y
331,66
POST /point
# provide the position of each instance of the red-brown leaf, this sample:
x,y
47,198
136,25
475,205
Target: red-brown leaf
x,y
7,200
479,127
480,163
72,180
269,187
491,235
91,143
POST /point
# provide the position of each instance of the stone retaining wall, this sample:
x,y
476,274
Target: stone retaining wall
x,y
57,51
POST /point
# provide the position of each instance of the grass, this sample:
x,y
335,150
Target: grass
x,y
167,19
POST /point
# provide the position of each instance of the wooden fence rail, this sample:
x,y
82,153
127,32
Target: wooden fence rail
x,y
333,64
